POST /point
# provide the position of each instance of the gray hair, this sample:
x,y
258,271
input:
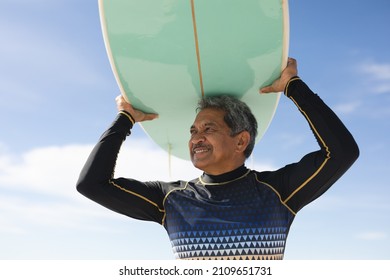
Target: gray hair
x,y
238,116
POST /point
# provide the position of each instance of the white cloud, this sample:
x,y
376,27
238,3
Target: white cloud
x,y
37,188
347,108
378,75
292,140
143,160
377,70
372,236
29,215
49,170
54,170
382,88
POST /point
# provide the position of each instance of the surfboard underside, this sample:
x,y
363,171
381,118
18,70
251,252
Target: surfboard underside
x,y
167,54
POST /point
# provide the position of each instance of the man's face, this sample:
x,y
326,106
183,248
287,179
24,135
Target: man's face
x,y
212,149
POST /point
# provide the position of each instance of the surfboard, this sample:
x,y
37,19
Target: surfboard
x,y
167,54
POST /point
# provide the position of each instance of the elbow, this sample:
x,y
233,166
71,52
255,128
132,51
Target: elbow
x,y
350,153
356,152
90,187
83,186
353,151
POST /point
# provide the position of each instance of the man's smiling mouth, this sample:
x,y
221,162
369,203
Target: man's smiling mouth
x,y
201,149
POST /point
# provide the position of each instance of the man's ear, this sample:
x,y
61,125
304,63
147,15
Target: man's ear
x,y
243,139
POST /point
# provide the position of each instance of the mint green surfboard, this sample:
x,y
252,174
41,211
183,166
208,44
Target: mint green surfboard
x,y
167,54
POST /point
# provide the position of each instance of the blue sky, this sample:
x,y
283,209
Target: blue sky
x,y
57,96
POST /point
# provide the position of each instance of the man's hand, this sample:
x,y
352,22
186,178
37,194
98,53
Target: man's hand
x,y
138,115
279,85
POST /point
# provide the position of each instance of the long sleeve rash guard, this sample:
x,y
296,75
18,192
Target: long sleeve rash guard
x,y
243,214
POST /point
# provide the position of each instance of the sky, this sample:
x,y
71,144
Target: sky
x,y
57,95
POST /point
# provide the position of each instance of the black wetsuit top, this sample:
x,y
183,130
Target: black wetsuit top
x,y
243,214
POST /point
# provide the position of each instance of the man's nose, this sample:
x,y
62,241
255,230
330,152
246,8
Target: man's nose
x,y
197,138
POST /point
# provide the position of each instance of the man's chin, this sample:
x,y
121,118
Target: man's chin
x,y
198,162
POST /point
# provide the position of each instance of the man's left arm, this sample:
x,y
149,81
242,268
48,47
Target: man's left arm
x,y
307,179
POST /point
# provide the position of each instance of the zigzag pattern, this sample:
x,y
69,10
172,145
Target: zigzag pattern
x,y
244,220
249,243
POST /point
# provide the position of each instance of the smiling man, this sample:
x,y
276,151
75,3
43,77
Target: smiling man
x,y
215,147
230,211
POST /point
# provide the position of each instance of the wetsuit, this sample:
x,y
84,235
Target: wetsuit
x,y
243,214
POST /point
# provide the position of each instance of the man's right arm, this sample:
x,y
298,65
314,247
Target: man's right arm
x,y
126,196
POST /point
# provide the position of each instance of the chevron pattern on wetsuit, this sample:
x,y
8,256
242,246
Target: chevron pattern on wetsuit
x,y
243,219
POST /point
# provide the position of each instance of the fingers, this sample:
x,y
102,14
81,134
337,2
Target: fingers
x,y
291,60
150,117
292,67
279,84
140,116
266,89
119,99
137,115
122,104
275,87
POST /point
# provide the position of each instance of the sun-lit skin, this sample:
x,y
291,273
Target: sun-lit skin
x,y
212,148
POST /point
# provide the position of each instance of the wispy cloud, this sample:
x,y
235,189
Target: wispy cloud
x,y
291,140
372,236
347,108
49,170
38,187
54,170
38,195
379,71
379,76
24,214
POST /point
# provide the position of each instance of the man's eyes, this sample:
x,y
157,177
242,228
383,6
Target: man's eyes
x,y
204,130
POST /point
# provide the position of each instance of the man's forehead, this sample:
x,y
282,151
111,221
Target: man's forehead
x,y
212,113
210,116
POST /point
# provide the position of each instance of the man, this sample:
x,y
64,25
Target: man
x,y
229,212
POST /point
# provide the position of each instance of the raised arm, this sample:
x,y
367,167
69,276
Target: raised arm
x,y
302,182
126,196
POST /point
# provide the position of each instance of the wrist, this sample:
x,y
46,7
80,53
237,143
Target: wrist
x,y
128,115
292,79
